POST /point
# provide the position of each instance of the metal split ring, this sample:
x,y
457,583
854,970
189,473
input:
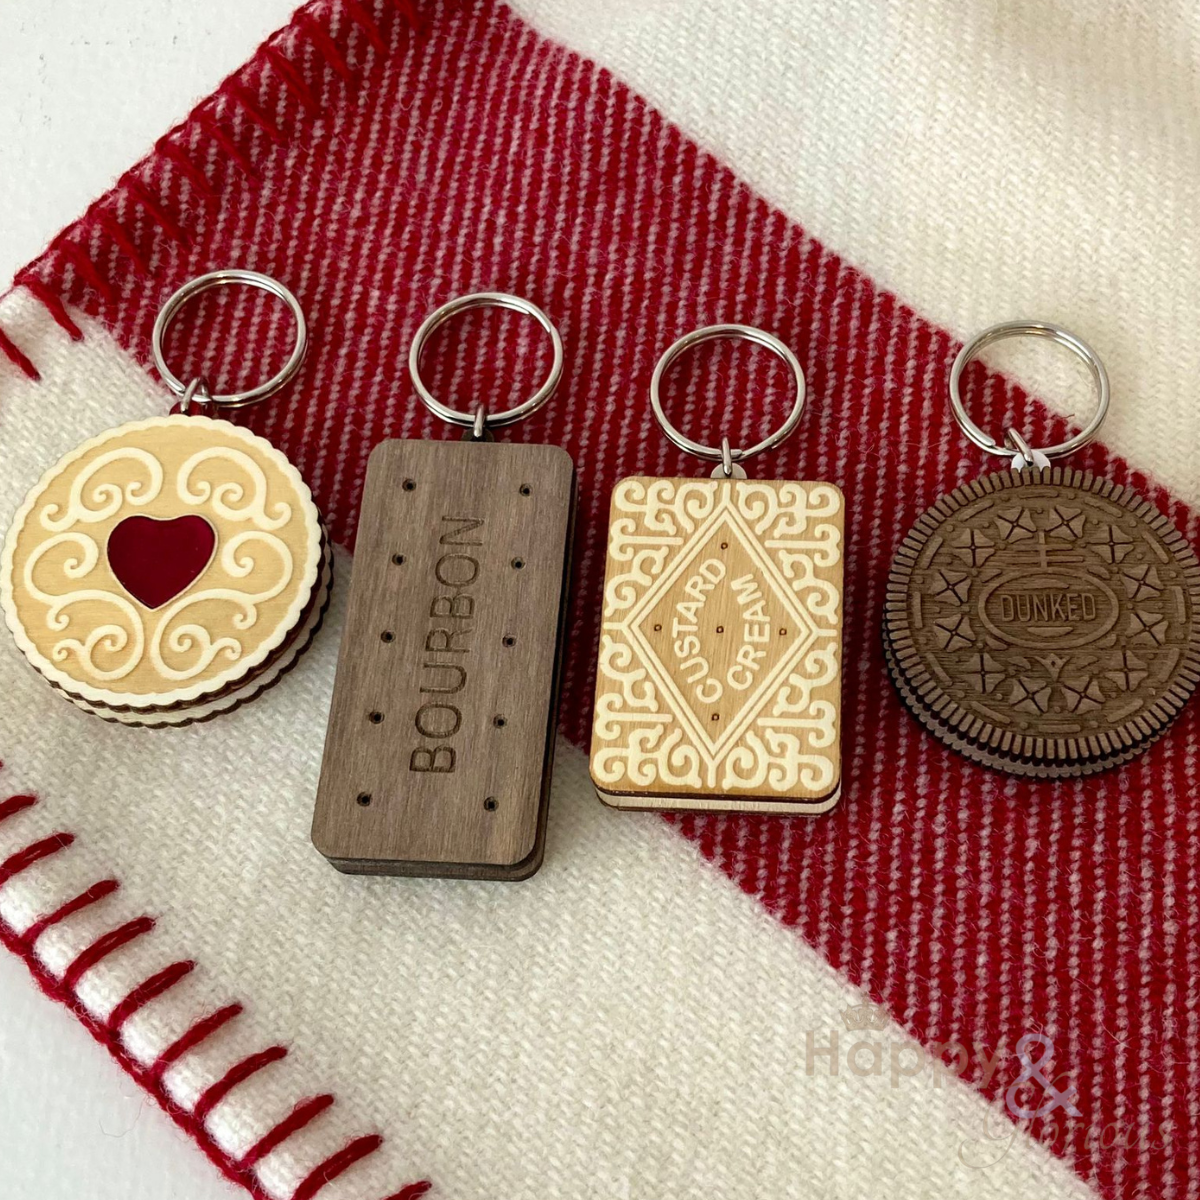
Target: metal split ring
x,y
1013,439
480,420
205,283
724,454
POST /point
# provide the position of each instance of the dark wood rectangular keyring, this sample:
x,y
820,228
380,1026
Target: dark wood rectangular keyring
x,y
440,742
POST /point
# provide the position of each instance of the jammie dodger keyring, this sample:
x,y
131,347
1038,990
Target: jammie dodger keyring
x,y
1041,620
169,569
718,683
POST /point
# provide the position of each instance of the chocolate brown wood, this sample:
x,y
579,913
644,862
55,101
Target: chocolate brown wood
x,y
440,742
1044,622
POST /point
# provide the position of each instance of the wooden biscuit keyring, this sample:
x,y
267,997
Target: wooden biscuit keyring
x,y
718,681
440,743
1043,621
170,569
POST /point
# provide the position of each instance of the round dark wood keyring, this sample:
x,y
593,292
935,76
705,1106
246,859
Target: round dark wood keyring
x,y
1077,675
997,762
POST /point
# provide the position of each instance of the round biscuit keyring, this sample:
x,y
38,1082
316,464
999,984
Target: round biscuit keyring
x,y
170,569
1041,620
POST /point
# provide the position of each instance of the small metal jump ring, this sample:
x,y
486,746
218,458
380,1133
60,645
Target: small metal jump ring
x,y
440,316
1042,329
723,453
216,279
196,392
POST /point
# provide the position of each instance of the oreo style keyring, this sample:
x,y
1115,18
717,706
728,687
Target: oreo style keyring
x,y
718,682
1043,621
170,569
441,731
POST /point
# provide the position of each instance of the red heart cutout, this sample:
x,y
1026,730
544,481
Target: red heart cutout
x,y
154,559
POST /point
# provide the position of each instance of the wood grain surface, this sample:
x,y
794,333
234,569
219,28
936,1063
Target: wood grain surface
x,y
719,678
440,742
1044,622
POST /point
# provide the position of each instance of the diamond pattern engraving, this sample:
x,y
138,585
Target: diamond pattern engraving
x,y
720,653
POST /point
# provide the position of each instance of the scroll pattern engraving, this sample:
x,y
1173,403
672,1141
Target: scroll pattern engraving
x,y
654,732
101,635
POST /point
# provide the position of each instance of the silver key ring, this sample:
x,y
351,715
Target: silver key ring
x,y
481,420
725,454
206,283
1042,329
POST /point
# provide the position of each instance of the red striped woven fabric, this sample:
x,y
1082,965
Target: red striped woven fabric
x,y
381,170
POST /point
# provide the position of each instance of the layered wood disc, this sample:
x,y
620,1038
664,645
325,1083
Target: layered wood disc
x,y
164,564
1044,622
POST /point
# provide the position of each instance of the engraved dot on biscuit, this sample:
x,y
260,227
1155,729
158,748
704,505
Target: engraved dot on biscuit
x,y
724,545
508,640
499,721
409,485
375,717
363,799
518,564
491,804
398,560
525,490
387,636
720,628
716,716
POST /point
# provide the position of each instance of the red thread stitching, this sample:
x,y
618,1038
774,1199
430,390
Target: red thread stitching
x,y
256,115
24,859
239,1172
96,892
202,1030
157,212
102,947
52,303
148,990
14,805
324,44
191,171
412,1192
18,357
208,121
83,264
291,76
216,1092
301,1115
361,17
113,228
335,1164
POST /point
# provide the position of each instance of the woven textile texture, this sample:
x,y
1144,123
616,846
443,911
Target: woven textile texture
x,y
670,1007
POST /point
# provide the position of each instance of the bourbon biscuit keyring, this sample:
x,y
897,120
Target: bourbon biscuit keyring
x,y
441,732
718,683
1043,621
169,569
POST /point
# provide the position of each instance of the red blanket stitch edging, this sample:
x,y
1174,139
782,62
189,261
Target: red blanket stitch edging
x,y
108,1032
100,216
